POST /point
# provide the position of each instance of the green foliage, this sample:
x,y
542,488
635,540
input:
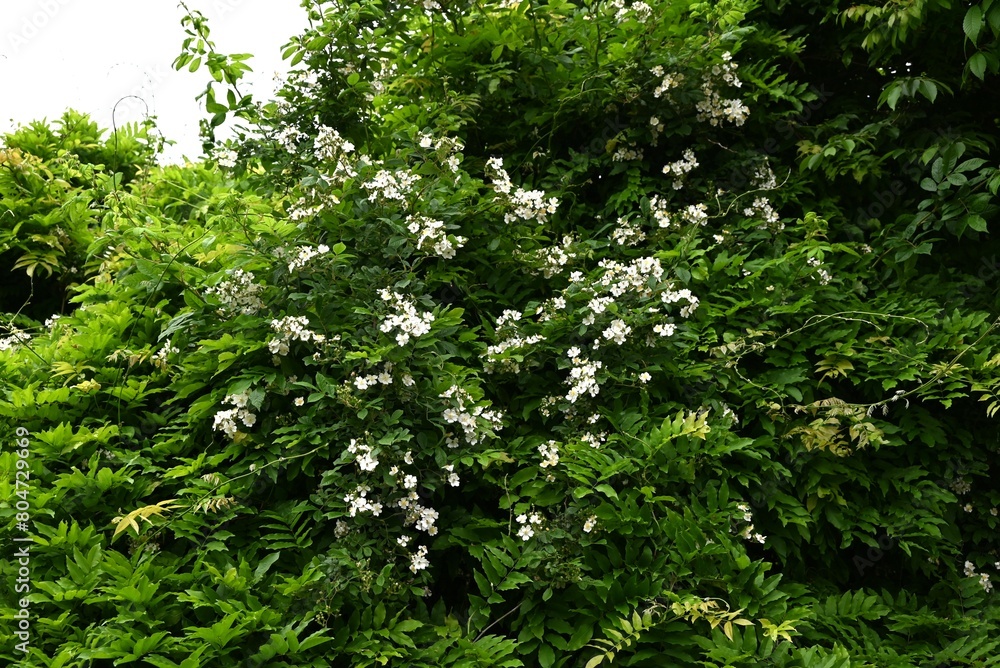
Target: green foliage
x,y
521,334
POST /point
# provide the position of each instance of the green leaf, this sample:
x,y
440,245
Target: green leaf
x,y
890,95
523,476
264,565
608,491
583,633
937,170
978,223
928,89
546,655
973,23
977,65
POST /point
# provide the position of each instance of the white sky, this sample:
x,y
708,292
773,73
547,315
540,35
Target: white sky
x,y
88,54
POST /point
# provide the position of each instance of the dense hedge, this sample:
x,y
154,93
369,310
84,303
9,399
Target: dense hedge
x,y
552,334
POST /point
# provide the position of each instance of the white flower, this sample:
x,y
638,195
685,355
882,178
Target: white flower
x,y
525,532
366,462
388,185
418,561
589,525
407,319
408,380
644,377
299,401
666,329
225,157
409,482
617,331
305,254
550,453
239,293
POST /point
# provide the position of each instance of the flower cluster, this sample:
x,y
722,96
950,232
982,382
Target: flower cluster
x,y
359,502
619,278
418,561
674,296
290,137
823,275
406,319
453,478
627,153
696,214
639,10
160,358
984,578
363,455
420,517
451,147
329,145
594,440
617,331
314,201
747,532
582,377
550,454
224,157
305,254
589,525
960,485
658,207
551,259
225,421
667,82
384,377
665,329
526,204
386,185
761,208
627,233
528,524
763,178
712,107
681,167
474,419
291,328
239,293
508,318
432,233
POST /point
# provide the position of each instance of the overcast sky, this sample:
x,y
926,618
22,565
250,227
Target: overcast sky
x,y
89,54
